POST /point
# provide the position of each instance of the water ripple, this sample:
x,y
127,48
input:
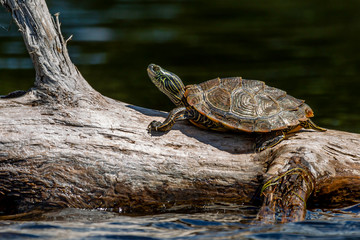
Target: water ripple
x,y
90,224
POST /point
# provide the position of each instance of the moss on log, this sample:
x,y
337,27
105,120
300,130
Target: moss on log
x,y
63,144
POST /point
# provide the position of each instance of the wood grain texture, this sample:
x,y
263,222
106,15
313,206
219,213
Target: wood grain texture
x,y
63,144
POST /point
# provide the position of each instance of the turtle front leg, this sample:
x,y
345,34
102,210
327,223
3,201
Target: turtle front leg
x,y
176,114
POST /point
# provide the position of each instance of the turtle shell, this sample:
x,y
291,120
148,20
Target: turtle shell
x,y
246,105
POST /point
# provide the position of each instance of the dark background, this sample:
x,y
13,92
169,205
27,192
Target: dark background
x,y
308,48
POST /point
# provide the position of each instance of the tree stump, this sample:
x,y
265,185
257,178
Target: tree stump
x,y
63,144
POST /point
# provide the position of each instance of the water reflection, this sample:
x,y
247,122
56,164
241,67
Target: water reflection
x,y
309,49
92,224
15,63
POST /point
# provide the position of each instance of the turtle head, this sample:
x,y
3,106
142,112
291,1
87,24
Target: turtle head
x,y
168,82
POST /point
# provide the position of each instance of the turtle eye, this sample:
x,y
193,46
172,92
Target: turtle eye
x,y
156,68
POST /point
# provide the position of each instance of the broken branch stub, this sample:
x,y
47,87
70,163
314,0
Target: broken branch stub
x,y
63,144
56,75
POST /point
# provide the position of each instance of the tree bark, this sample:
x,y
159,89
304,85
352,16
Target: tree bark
x,y
63,144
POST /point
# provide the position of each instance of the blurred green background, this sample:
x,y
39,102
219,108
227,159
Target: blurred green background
x,y
308,48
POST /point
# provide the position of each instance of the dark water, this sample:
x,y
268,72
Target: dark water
x,y
308,48
222,224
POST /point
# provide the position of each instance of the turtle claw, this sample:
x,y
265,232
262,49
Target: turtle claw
x,y
153,126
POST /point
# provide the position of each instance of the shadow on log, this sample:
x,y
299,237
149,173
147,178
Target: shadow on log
x,y
63,144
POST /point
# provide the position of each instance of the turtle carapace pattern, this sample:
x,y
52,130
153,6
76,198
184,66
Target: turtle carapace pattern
x,y
232,104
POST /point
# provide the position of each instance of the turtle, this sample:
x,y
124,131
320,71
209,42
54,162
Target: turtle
x,y
233,104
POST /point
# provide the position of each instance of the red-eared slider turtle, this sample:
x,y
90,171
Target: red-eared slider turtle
x,y
232,104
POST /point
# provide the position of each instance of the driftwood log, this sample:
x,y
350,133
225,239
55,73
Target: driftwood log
x,y
63,144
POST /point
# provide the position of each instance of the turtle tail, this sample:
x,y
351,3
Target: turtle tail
x,y
311,125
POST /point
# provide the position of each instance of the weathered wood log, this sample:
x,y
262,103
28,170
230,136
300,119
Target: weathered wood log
x,y
63,144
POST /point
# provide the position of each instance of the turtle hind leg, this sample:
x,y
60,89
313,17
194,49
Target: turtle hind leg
x,y
311,125
174,115
265,141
